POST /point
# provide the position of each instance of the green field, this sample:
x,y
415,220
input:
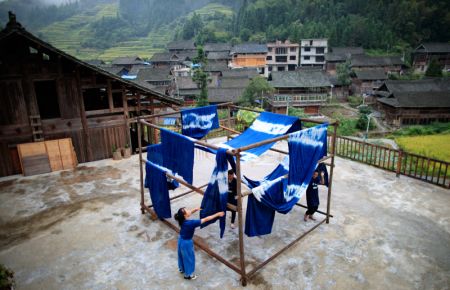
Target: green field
x,y
433,146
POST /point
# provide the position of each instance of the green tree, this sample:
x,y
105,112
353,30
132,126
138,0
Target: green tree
x,y
343,73
434,69
201,78
257,88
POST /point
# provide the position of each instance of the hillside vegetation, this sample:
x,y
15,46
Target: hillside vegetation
x,y
109,28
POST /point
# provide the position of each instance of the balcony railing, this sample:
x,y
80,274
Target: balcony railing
x,y
281,100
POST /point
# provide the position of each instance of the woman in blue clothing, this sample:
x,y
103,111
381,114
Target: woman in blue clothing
x,y
186,255
312,195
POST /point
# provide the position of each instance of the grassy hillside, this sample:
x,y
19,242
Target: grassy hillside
x,y
68,35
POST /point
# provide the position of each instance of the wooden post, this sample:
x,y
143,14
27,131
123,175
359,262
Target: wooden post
x,y
399,162
330,179
240,223
228,122
126,116
141,172
110,97
87,139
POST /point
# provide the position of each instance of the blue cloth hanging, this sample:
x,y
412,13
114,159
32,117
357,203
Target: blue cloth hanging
x,y
279,194
216,194
156,181
197,122
154,155
266,126
178,154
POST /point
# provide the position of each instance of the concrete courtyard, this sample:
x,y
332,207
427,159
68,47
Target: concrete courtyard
x,y
83,229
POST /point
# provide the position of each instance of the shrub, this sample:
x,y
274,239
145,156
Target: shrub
x,y
6,278
354,101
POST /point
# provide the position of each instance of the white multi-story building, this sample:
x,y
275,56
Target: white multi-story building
x,y
312,52
282,56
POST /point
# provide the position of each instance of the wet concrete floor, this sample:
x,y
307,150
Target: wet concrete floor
x,y
83,229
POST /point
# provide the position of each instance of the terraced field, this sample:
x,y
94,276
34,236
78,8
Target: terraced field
x,y
68,35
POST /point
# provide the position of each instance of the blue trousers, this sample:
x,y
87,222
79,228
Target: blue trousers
x,y
186,256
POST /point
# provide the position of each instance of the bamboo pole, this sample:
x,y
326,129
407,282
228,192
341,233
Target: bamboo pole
x,y
253,271
212,146
330,177
240,221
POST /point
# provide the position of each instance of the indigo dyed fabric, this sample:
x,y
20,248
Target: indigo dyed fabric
x,y
280,170
178,154
266,126
156,181
216,194
197,122
154,155
279,194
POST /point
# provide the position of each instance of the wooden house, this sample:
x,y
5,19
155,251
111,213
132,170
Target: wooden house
x,y
390,64
304,88
415,102
251,55
47,94
425,52
366,82
339,55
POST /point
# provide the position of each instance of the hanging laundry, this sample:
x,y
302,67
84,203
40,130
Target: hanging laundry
x,y
156,181
216,194
279,194
197,122
178,154
266,126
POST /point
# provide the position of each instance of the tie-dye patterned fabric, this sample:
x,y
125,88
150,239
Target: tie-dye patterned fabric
x,y
197,122
279,194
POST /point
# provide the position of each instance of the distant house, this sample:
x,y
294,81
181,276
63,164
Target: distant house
x,y
48,94
339,55
171,59
128,61
216,47
250,55
390,64
415,102
282,56
339,91
182,46
425,52
219,56
312,52
304,88
155,76
366,82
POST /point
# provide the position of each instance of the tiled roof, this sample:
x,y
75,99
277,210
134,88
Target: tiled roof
x,y
434,47
249,48
309,78
361,60
217,47
127,60
371,74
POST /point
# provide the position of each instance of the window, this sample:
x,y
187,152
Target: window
x,y
310,42
292,57
269,57
45,56
270,68
307,48
293,49
281,58
47,99
291,67
320,50
117,100
320,58
281,50
307,57
32,50
281,68
269,49
95,99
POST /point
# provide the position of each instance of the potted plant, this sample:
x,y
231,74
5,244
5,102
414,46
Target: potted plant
x,y
126,152
116,153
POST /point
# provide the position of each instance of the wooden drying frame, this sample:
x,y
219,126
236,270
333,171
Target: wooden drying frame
x,y
240,269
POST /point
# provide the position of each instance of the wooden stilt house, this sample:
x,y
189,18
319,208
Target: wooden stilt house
x,y
47,94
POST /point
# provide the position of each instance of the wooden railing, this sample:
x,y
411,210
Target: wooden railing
x,y
405,163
